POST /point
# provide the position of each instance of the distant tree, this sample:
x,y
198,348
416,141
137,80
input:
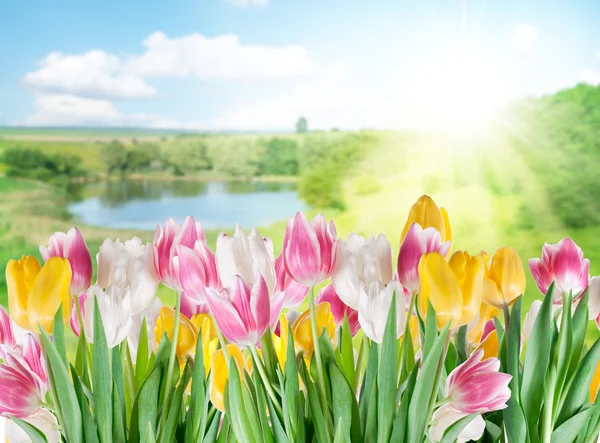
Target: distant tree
x,y
302,125
115,159
279,157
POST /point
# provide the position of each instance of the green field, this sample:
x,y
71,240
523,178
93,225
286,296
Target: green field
x,y
532,177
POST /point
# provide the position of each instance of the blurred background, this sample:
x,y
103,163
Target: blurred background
x,y
116,115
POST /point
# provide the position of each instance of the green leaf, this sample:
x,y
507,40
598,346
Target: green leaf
x,y
65,391
387,377
102,379
537,359
167,435
145,407
238,415
579,388
81,357
58,334
261,407
367,385
400,422
119,385
251,409
451,358
347,350
90,431
493,431
567,432
278,431
370,432
32,432
425,388
269,356
513,347
318,418
431,331
213,429
345,408
141,359
197,412
118,429
148,435
580,323
562,356
452,433
461,345
290,389
341,436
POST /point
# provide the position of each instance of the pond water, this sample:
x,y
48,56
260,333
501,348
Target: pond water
x,y
143,204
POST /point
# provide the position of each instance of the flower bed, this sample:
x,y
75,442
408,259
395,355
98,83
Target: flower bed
x,y
433,350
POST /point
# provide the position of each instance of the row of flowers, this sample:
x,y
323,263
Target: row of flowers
x,y
236,303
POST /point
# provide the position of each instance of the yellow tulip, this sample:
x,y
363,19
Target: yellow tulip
x,y
489,345
486,312
280,342
302,332
415,331
426,213
220,373
505,278
595,384
35,293
208,334
453,291
199,320
186,337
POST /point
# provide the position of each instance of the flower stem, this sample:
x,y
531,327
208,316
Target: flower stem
x,y
317,347
88,357
173,353
265,379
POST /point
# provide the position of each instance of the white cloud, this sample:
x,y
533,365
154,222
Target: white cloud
x,y
590,77
246,3
70,110
93,74
525,36
221,57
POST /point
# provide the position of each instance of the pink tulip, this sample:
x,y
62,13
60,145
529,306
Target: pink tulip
x,y
339,309
71,246
417,242
244,314
562,263
22,390
489,327
295,292
166,240
196,270
478,386
594,300
7,336
75,326
31,352
308,249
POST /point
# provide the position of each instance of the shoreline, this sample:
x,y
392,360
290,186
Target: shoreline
x,y
189,178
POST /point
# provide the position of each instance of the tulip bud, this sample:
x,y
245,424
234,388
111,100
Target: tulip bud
x,y
562,263
35,294
186,336
302,332
426,213
308,249
505,278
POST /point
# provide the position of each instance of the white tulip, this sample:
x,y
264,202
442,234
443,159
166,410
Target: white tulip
x,y
128,265
374,306
115,309
446,416
245,255
358,262
530,318
41,419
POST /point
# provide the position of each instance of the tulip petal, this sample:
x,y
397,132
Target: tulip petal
x,y
78,254
260,306
42,419
227,317
302,252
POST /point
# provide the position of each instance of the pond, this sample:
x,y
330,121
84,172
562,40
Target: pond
x,y
144,204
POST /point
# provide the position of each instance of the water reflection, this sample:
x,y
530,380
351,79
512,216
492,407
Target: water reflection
x,y
144,203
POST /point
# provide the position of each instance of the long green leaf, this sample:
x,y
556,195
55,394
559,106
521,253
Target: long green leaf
x,y
345,408
65,392
141,358
567,432
145,407
239,416
452,433
32,432
400,422
321,427
58,334
580,323
90,431
102,379
167,435
197,414
290,390
367,385
387,378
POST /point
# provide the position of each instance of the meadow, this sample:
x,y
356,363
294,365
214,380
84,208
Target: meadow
x,y
530,177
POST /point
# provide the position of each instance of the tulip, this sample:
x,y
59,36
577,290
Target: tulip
x,y
417,242
220,373
478,386
31,351
446,416
486,312
246,256
42,419
7,336
426,213
75,326
489,341
594,300
302,332
242,313
197,270
115,311
595,384
166,240
375,304
35,293
308,249
295,292
186,337
562,263
71,246
22,390
339,309
280,341
454,291
360,261
505,278
151,314
208,334
530,318
130,266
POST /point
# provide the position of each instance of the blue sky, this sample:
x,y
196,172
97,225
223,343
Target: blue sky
x,y
259,64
